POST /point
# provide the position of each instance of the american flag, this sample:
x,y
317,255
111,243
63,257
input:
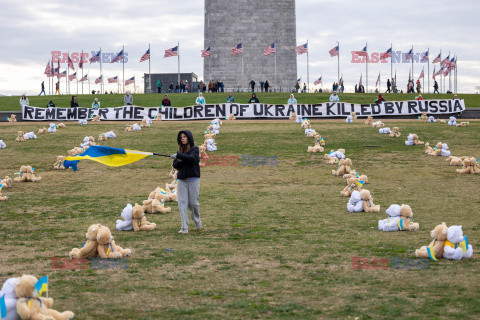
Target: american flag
x,y
318,81
363,52
447,71
378,79
409,55
438,58
335,51
82,61
453,63
99,80
301,49
118,57
113,80
387,54
269,50
72,76
129,81
84,78
424,57
299,80
341,79
206,53
95,57
48,70
63,74
70,63
146,56
433,75
439,72
238,49
445,61
55,71
422,74
173,52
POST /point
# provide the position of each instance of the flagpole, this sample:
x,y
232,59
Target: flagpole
x,y
50,67
243,67
308,70
391,62
178,56
81,60
423,70
123,66
338,64
149,72
456,78
101,74
412,64
275,83
366,67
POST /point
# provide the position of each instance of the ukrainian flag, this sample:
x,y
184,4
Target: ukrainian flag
x,y
42,285
3,308
112,157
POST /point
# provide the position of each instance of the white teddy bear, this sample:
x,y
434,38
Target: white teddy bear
x,y
211,146
349,119
8,289
456,246
384,130
391,223
82,121
52,127
452,121
355,204
126,223
136,127
30,135
410,141
299,119
86,142
431,119
110,134
2,144
445,152
375,124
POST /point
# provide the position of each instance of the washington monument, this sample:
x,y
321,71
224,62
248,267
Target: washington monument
x,y
256,24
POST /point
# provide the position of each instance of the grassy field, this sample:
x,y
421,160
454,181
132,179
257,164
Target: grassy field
x,y
188,99
277,242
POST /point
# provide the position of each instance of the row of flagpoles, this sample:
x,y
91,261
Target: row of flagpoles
x,y
447,65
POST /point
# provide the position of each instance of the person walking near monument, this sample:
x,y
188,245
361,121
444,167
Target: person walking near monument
x,y
267,85
419,87
252,85
388,86
261,86
43,89
57,88
171,87
435,87
297,87
159,86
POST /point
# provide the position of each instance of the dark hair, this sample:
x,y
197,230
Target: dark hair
x,y
183,148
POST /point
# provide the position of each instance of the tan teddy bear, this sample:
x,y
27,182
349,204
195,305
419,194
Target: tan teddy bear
x,y
58,165
231,117
26,175
354,115
158,117
434,250
293,116
367,200
41,131
90,247
96,118
6,183
61,125
3,198
12,118
416,141
463,124
455,161
405,223
395,133
435,151
470,165
21,137
139,221
354,174
441,121
155,206
369,120
352,185
31,306
102,137
428,149
107,249
315,149
423,116
344,167
319,139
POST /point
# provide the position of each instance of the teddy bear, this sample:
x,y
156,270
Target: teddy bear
x,y
173,173
395,133
12,118
211,145
31,306
52,128
310,133
26,175
369,120
30,135
126,223
6,182
431,119
82,121
455,161
334,156
155,206
352,185
405,222
354,174
293,116
433,151
423,116
21,137
146,123
354,115
2,197
230,117
470,165
172,185
457,246
428,149
87,142
107,248
367,201
2,144
385,130
10,298
318,138
443,121
349,119
158,117
95,118
102,137
139,221
344,167
393,213
355,204
58,165
463,124
452,121
444,152
61,125
434,250
378,124
90,248
316,148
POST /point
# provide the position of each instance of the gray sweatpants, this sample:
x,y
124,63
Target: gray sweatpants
x,y
188,195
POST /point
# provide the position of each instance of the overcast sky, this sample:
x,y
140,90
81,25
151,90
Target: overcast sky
x,y
31,30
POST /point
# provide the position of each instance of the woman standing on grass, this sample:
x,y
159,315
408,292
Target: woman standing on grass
x,y
186,161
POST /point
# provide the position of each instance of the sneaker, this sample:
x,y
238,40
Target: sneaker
x,y
183,231
198,226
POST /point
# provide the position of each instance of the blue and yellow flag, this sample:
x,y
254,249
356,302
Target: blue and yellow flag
x,y
42,285
112,157
3,308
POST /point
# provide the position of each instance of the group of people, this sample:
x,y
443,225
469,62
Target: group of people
x,y
264,86
338,87
181,87
360,88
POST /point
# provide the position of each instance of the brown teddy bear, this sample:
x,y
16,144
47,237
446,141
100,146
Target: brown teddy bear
x,y
155,206
434,151
315,149
367,200
434,250
470,165
395,133
90,247
293,116
354,174
354,115
3,198
369,120
463,124
107,249
416,141
441,121
405,223
344,167
139,221
21,137
12,118
352,185
230,117
6,183
102,137
318,138
428,149
31,306
96,118
423,116
158,117
58,165
26,175
455,161
41,131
